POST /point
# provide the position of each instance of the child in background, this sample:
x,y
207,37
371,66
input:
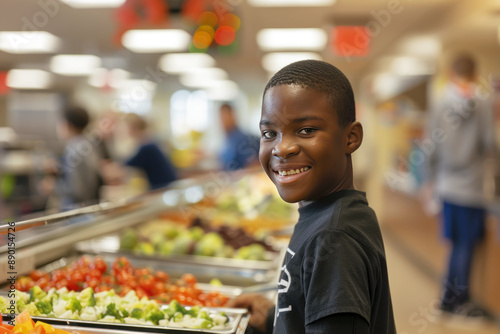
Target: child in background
x,y
80,179
334,276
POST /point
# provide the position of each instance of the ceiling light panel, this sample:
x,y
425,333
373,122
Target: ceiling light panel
x,y
156,40
291,3
311,39
176,63
29,42
202,77
274,61
29,79
74,65
223,90
94,3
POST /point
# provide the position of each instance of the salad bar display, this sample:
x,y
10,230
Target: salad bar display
x,y
135,267
87,272
107,306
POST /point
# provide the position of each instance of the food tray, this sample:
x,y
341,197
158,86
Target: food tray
x,y
237,324
234,272
111,244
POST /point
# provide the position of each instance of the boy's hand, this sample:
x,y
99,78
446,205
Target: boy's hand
x,y
257,305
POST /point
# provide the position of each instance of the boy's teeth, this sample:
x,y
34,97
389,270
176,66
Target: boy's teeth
x,y
292,171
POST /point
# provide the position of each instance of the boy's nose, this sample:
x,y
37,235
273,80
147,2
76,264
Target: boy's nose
x,y
285,148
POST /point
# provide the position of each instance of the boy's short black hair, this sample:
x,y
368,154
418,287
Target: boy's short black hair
x,y
77,117
323,77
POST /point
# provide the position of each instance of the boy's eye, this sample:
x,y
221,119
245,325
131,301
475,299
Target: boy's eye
x,y
268,134
307,131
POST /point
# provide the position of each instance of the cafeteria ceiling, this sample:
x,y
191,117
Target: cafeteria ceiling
x,y
91,31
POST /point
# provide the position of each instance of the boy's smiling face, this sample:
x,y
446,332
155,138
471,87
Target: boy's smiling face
x,y
303,149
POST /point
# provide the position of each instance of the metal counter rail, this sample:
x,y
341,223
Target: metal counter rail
x,y
46,220
41,245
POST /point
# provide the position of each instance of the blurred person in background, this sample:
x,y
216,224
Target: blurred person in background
x,y
461,135
78,174
240,150
149,157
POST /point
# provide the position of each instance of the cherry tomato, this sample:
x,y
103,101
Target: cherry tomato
x,y
146,282
58,274
158,288
140,293
92,283
84,261
107,279
121,264
93,274
61,283
189,279
142,272
37,274
162,276
124,290
99,264
43,283
24,284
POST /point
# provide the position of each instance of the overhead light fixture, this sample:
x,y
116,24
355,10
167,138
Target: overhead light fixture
x,y
74,64
176,63
94,3
202,77
313,39
29,42
156,40
274,61
291,3
28,79
222,90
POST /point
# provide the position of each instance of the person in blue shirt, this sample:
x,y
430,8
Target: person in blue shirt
x,y
240,149
149,157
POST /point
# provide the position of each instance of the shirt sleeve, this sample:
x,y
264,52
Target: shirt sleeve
x,y
343,323
136,160
339,276
489,136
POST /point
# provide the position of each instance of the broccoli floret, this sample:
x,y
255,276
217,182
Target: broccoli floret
x,y
20,305
203,323
44,307
174,307
3,305
21,296
137,313
51,296
36,293
113,311
177,317
74,305
124,312
86,297
204,315
193,311
155,316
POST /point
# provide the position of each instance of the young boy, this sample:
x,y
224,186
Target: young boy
x,y
334,275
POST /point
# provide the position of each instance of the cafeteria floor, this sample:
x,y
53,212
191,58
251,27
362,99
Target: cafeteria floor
x,y
414,296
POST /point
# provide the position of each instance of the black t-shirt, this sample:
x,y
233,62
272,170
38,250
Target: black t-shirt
x,y
335,263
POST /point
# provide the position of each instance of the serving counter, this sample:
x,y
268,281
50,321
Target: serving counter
x,y
53,241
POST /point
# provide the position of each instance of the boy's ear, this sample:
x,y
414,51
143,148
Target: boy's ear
x,y
354,133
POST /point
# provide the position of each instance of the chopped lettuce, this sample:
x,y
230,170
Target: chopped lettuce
x,y
107,306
